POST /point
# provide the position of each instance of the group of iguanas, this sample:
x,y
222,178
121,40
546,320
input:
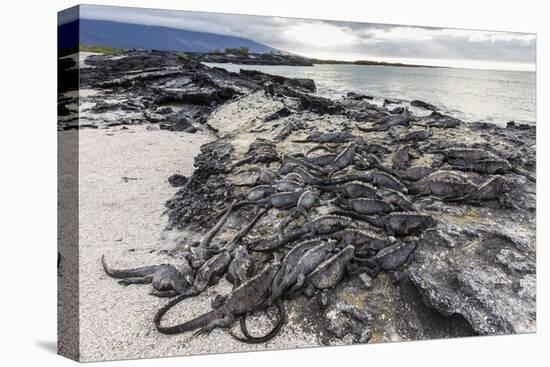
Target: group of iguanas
x,y
369,223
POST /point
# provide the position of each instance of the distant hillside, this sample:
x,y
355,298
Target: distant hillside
x,y
126,35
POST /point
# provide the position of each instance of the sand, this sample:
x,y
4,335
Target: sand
x,y
123,219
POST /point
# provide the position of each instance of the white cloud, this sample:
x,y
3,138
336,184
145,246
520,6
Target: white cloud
x,y
501,36
320,34
404,33
401,33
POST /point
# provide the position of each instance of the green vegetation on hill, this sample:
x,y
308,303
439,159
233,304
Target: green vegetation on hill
x,y
182,56
238,51
363,62
101,49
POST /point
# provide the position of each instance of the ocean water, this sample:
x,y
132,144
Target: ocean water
x,y
471,95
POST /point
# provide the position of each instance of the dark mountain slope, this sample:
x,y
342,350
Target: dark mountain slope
x,y
126,35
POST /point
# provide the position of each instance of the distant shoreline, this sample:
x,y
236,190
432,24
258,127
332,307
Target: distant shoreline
x,y
246,58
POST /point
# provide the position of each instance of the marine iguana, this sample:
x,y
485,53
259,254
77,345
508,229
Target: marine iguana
x,y
398,224
293,176
293,256
264,177
281,200
384,179
467,154
211,271
415,173
493,189
447,175
286,185
321,160
480,161
261,157
489,166
353,189
366,206
319,169
417,135
442,188
345,157
327,137
307,200
386,123
389,258
323,147
422,104
167,281
307,177
436,119
375,148
296,276
396,198
329,272
363,240
323,225
285,199
331,162
259,192
241,268
484,166
369,161
245,298
376,177
400,159
259,151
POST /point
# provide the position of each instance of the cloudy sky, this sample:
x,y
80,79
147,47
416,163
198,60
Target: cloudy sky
x,y
348,40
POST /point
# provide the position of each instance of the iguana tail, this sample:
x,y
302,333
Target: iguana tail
x,y
377,222
284,223
345,179
240,163
205,242
522,172
266,245
366,129
196,323
456,199
239,236
270,335
128,273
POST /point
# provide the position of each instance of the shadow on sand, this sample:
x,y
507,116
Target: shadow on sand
x,y
48,345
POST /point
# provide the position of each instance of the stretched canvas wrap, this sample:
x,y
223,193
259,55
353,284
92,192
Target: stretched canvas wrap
x,y
243,183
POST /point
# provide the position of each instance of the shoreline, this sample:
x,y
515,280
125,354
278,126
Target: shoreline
x,y
326,90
